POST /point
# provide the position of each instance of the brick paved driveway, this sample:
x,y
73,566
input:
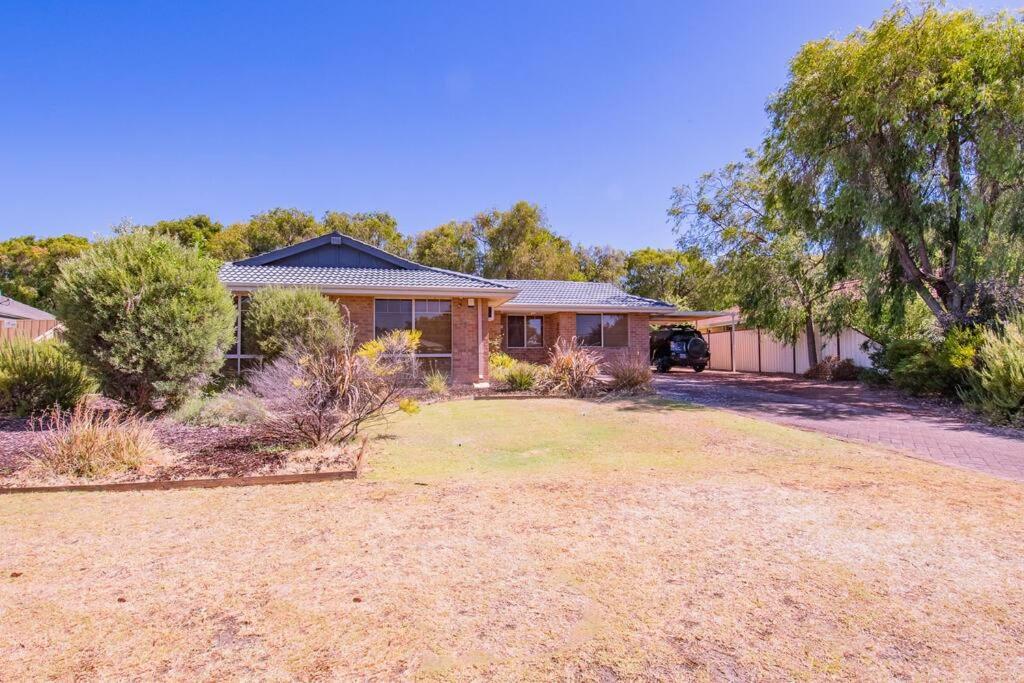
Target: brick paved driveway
x,y
851,411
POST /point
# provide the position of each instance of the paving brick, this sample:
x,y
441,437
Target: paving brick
x,y
857,413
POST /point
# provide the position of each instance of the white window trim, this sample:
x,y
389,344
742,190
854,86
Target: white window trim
x,y
524,316
237,356
414,300
602,345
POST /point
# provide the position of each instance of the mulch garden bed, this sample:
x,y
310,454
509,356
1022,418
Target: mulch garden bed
x,y
195,452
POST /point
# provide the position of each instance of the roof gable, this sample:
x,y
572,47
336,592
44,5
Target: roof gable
x,y
333,250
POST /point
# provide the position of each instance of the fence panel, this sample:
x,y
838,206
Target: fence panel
x,y
719,343
24,329
776,355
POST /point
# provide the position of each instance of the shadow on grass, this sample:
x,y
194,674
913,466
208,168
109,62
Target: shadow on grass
x,y
655,404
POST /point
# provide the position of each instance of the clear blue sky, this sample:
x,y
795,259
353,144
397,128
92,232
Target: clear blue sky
x,y
432,111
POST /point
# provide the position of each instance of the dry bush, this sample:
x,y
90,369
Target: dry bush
x,y
89,442
573,369
436,382
630,374
230,408
327,458
325,391
834,369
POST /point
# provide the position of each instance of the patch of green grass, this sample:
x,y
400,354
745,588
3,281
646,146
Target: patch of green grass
x,y
480,438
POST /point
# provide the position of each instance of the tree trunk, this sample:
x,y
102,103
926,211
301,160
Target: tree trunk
x,y
812,342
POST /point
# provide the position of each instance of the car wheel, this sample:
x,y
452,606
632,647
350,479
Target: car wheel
x,y
663,365
699,368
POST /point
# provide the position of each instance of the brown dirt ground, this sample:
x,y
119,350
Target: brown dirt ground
x,y
771,554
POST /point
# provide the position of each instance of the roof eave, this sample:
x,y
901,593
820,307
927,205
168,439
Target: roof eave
x,y
582,308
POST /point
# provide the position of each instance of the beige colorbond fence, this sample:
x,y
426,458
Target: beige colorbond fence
x,y
761,352
24,329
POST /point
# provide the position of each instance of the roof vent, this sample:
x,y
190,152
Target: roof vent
x,y
335,239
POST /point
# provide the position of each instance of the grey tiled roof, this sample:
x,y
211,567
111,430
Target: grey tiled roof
x,y
577,294
372,278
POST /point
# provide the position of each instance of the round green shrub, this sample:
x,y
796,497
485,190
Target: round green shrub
x,y
147,315
36,377
996,386
281,316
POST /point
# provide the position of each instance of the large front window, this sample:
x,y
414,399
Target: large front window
x,y
433,319
524,331
602,329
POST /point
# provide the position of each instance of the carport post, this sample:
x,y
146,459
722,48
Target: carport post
x,y
732,344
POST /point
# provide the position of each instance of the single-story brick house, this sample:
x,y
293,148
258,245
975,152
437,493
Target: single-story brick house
x,y
461,317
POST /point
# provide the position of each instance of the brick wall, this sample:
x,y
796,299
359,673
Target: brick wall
x,y
467,346
359,311
563,326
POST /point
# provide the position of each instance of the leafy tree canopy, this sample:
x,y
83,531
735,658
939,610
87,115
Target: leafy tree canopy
x,y
601,263
684,278
767,248
191,231
379,229
264,232
452,246
29,266
521,245
908,136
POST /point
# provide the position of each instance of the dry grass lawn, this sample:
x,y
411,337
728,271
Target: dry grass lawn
x,y
534,540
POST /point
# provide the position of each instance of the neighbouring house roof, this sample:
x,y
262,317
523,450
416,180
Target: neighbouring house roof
x,y
9,308
565,295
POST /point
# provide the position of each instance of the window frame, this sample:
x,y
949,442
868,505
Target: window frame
x,y
236,354
602,345
413,300
526,344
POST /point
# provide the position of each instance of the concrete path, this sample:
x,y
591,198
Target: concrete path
x,y
852,411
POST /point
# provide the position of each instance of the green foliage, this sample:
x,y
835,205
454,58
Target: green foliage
x,y
499,360
281,316
520,245
521,376
147,315
191,231
452,246
264,232
765,238
996,384
36,377
601,264
908,135
684,278
29,267
378,229
927,367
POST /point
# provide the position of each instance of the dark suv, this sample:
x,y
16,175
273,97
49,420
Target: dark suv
x,y
683,346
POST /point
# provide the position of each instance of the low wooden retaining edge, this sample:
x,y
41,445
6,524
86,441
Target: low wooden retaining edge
x,y
170,484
